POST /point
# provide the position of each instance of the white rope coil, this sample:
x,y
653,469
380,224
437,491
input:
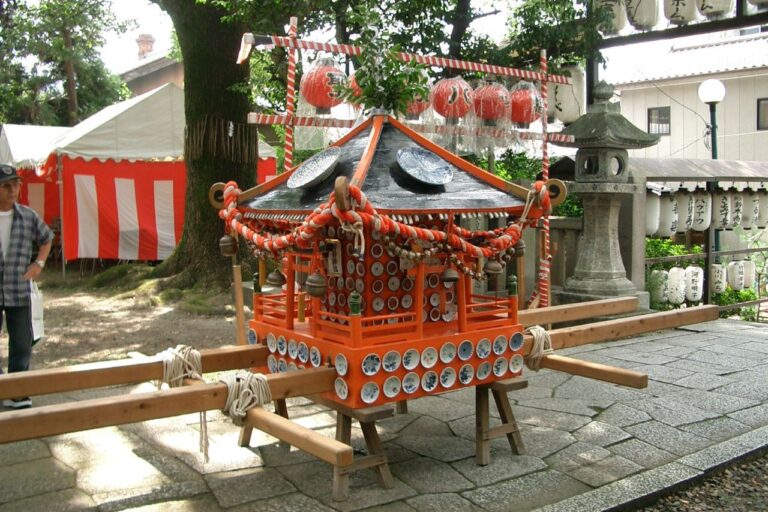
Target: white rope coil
x,y
181,363
542,345
245,390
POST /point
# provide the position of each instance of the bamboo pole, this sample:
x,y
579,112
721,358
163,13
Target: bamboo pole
x,y
117,410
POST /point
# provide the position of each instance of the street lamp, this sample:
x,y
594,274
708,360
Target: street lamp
x,y
712,92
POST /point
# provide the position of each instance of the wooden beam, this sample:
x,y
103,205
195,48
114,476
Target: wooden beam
x,y
577,311
596,371
117,410
124,371
324,448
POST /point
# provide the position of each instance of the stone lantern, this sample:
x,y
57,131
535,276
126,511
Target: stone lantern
x,y
602,137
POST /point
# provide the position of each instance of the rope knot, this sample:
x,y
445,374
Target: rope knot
x,y
245,390
542,345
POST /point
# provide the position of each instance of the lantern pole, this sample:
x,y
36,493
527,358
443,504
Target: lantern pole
x,y
546,256
290,106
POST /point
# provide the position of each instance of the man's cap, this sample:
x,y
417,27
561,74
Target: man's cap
x,y
8,173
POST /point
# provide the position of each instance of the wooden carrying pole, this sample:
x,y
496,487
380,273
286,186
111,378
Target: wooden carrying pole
x,y
118,410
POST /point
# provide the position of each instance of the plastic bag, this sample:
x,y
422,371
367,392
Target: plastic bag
x,y
36,305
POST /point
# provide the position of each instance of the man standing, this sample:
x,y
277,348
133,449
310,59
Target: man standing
x,y
21,232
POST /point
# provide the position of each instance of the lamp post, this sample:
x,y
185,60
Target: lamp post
x,y
711,92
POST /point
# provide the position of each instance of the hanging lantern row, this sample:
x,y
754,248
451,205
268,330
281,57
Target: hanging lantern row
x,y
644,14
677,285
452,98
680,211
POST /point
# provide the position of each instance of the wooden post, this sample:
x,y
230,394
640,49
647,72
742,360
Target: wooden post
x,y
239,302
290,293
461,297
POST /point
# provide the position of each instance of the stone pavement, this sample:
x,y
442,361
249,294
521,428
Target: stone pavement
x,y
591,445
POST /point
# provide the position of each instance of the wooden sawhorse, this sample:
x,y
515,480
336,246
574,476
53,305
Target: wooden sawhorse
x,y
367,418
508,427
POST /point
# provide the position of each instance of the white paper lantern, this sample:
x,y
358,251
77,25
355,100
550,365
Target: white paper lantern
x,y
750,273
721,210
694,283
658,285
737,208
751,210
642,14
668,213
762,217
571,99
618,16
676,285
651,213
714,8
736,275
718,277
685,209
680,12
702,210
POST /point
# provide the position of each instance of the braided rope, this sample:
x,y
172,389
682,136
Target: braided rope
x,y
181,363
245,391
542,345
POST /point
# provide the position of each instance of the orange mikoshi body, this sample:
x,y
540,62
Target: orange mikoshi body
x,y
452,98
318,85
395,251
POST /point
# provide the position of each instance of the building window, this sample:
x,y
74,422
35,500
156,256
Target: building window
x,y
762,114
658,121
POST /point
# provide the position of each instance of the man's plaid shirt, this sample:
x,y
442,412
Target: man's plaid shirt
x,y
28,233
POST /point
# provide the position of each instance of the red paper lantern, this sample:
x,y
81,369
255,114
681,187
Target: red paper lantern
x,y
452,97
492,103
317,87
416,107
526,105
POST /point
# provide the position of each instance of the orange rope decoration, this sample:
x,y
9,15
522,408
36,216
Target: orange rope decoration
x,y
363,214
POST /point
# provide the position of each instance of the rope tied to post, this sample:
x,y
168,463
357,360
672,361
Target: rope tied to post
x,y
179,363
245,390
542,345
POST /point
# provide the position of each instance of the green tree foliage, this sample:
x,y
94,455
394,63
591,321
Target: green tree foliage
x,y
50,68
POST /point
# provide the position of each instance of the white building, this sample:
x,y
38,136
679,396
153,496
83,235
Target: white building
x,y
658,89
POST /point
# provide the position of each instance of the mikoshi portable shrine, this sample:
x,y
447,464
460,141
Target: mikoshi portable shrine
x,y
371,299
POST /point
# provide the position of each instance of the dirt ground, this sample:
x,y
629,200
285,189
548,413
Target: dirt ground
x,y
83,325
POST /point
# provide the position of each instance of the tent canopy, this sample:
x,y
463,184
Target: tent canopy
x,y
26,146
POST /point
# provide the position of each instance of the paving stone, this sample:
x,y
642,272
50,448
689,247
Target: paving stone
x,y
605,471
294,502
546,378
581,387
395,506
463,395
754,416
531,392
716,456
427,475
426,426
703,381
642,453
586,407
676,351
621,415
700,367
671,411
206,503
738,351
633,488
756,346
68,500
644,358
444,448
662,373
119,474
578,454
233,488
441,408
696,341
550,419
122,499
755,388
718,429
526,493
504,465
280,454
722,360
600,434
541,442
667,438
655,345
26,479
598,357
315,421
441,503
395,424
710,401
82,449
23,451
659,389
314,479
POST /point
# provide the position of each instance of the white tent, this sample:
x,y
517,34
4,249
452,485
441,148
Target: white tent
x,y
26,146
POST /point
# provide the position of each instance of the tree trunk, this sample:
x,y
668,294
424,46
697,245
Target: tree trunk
x,y
219,147
71,79
462,17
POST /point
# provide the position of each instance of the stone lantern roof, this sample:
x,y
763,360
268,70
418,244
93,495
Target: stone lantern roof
x,y
603,126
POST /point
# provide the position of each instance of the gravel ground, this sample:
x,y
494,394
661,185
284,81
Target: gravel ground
x,y
742,487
